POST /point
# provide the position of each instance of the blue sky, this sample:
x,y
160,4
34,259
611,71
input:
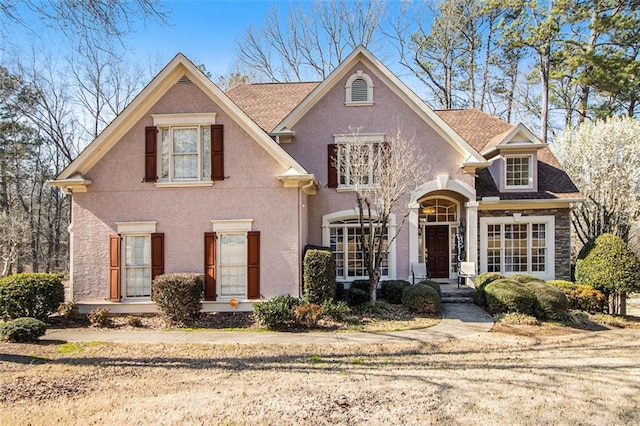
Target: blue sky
x,y
204,30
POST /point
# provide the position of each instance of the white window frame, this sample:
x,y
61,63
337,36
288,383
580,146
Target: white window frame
x,y
374,141
231,227
548,221
358,75
529,158
134,229
328,223
171,122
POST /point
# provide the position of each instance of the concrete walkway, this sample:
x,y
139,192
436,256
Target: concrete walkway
x,y
459,320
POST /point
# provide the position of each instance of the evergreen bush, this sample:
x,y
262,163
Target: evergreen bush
x,y
178,295
277,313
34,295
392,290
551,302
319,276
22,330
422,298
434,285
505,295
480,282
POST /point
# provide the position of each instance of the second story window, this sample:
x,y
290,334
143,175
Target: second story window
x,y
185,153
518,172
358,160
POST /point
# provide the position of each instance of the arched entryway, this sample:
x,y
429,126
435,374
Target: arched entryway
x,y
438,219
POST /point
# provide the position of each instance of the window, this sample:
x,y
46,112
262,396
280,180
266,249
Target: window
x,y
341,232
437,210
137,266
524,246
359,90
185,153
358,160
518,172
233,264
188,150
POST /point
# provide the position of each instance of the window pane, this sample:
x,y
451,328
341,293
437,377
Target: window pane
x,y
348,254
185,166
515,247
538,247
165,154
137,268
185,140
206,152
494,247
233,265
517,171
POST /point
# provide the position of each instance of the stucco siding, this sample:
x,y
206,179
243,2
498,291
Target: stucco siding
x,y
249,191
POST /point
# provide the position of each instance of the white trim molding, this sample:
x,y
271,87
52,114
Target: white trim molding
x,y
188,119
231,225
358,75
144,227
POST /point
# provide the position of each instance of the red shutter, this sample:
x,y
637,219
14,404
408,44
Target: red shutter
x,y
157,255
217,152
150,149
209,266
253,265
114,268
332,155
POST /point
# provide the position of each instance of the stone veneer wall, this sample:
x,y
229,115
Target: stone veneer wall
x,y
562,234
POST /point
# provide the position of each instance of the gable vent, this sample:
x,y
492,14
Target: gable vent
x,y
359,92
184,80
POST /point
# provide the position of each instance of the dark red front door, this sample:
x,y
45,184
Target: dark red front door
x,y
437,248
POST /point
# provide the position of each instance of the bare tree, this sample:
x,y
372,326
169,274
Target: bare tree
x,y
309,44
380,175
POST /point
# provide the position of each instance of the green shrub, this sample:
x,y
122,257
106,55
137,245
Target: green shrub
x,y
340,292
319,276
361,285
524,278
434,285
33,295
277,313
480,282
376,309
610,265
392,290
551,302
422,298
357,296
336,310
178,295
581,297
22,330
504,296
99,317
307,314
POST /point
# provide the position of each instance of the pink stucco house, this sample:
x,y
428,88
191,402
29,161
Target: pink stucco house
x,y
234,185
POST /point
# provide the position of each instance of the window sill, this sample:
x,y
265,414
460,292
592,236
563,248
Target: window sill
x,y
184,184
358,104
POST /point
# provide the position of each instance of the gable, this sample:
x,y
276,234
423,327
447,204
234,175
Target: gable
x,y
178,69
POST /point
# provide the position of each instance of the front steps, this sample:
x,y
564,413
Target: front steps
x,y
452,294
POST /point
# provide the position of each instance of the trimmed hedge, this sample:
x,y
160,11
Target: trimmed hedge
x,y
392,290
319,276
480,282
34,295
505,295
178,295
434,285
524,278
357,296
422,298
22,330
551,302
277,313
581,297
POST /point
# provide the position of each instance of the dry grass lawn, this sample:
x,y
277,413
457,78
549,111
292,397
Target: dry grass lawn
x,y
514,375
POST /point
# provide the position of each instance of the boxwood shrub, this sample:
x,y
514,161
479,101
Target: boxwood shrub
x,y
505,295
277,313
319,276
34,295
178,295
22,330
524,278
551,302
480,282
434,285
358,296
422,298
392,290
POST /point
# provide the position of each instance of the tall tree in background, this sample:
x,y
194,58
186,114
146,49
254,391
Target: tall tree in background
x,y
309,44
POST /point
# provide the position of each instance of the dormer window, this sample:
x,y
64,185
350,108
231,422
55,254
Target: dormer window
x,y
359,90
519,171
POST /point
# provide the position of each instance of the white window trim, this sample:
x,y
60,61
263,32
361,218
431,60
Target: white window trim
x,y
504,174
132,229
342,140
517,218
229,226
359,75
353,214
190,119
140,227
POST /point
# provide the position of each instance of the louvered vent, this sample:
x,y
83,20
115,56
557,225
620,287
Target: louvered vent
x,y
359,90
184,80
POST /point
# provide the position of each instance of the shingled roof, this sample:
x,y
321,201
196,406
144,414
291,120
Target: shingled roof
x,y
269,103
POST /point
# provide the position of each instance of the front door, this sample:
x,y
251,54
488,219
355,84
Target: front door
x,y
437,250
